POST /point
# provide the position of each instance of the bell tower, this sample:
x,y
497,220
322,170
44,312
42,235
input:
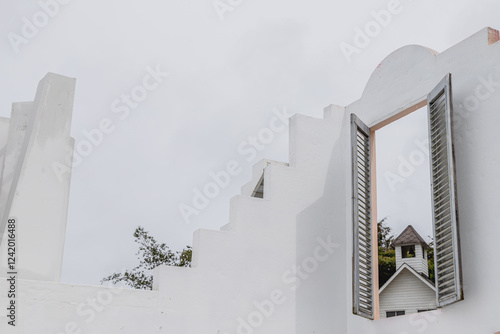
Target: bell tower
x,y
411,249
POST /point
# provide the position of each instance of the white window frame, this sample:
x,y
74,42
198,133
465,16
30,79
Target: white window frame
x,y
446,232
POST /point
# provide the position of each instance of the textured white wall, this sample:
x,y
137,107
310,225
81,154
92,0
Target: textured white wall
x,y
57,308
31,191
4,135
408,75
243,278
283,264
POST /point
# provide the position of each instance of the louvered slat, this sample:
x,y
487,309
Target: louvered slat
x,y
445,214
362,274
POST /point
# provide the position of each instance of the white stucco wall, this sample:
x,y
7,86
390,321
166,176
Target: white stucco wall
x,y
408,75
57,308
284,263
4,135
251,263
38,137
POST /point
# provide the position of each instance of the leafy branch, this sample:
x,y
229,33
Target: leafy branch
x,y
151,254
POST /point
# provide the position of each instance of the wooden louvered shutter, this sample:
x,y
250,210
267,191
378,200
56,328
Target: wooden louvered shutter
x,y
363,292
444,201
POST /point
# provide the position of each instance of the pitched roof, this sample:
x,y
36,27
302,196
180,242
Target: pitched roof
x,y
405,265
410,236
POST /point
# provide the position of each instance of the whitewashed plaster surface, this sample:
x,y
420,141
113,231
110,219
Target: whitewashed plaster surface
x,y
288,257
31,191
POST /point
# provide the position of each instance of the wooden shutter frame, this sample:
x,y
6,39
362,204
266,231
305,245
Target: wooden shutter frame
x,y
358,126
445,87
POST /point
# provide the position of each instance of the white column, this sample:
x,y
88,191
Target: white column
x,y
36,196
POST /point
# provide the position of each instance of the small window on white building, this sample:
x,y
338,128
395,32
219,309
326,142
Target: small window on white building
x,y
448,277
259,189
390,314
408,251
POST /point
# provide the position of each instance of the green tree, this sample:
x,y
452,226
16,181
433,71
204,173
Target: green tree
x,y
430,260
385,238
386,265
386,252
150,254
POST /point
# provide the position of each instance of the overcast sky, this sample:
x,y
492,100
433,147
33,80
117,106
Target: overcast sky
x,y
403,174
229,70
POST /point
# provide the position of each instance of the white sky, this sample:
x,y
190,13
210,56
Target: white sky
x,y
225,78
403,174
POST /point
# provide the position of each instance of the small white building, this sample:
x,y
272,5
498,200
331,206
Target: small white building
x,y
409,290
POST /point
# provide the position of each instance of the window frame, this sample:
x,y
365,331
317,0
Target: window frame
x,y
404,254
356,124
443,87
396,314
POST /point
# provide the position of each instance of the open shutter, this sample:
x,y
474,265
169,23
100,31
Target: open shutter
x,y
444,201
363,292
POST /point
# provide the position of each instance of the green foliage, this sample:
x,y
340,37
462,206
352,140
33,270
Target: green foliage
x,y
386,265
386,252
385,239
150,254
430,261
408,251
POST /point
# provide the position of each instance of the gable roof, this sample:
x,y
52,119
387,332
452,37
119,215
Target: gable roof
x,y
405,265
410,236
